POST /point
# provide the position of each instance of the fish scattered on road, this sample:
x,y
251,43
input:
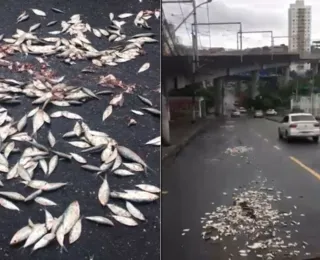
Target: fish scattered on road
x,y
55,99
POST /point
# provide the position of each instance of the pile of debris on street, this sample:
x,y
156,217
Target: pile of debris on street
x,y
253,223
238,150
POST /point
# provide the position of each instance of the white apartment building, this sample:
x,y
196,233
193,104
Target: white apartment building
x,y
299,25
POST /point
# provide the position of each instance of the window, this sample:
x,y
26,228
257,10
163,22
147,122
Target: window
x,y
285,119
302,118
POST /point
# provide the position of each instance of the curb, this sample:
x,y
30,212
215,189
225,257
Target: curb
x,y
179,147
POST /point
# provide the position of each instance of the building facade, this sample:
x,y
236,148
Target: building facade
x,y
299,26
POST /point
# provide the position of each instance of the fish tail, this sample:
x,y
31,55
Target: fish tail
x,y
97,174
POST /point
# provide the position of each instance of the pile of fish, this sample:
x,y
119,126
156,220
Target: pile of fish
x,y
238,150
253,218
71,43
36,157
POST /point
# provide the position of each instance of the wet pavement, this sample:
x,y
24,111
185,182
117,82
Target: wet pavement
x,y
102,242
196,180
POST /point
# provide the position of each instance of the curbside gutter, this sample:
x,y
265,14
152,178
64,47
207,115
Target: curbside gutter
x,y
174,150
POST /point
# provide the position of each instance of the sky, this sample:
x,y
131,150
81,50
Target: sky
x,y
255,15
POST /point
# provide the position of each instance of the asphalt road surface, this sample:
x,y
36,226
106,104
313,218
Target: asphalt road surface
x,y
102,242
202,172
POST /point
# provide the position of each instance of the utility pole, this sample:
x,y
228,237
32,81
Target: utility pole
x,y
195,60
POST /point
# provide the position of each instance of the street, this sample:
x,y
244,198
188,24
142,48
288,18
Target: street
x,y
203,177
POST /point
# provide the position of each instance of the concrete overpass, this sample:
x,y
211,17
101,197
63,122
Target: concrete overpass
x,y
177,70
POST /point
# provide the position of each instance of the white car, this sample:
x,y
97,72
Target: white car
x,y
258,113
235,113
271,112
299,125
242,110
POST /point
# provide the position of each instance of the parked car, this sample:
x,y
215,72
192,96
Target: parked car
x,y
299,125
235,113
258,114
242,110
271,112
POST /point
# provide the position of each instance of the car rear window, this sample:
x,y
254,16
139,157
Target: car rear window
x,y
302,118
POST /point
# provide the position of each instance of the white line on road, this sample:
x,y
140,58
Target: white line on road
x,y
266,139
277,147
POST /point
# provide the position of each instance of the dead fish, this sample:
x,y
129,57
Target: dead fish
x,y
144,67
38,231
118,210
51,23
53,186
134,211
100,220
21,235
48,219
79,144
135,196
107,112
75,232
44,201
52,164
34,27
125,15
44,241
78,158
145,100
90,167
123,172
8,204
56,10
38,12
148,188
126,221
104,192
155,141
136,167
12,195
33,195
51,138
22,123
137,112
152,110
130,155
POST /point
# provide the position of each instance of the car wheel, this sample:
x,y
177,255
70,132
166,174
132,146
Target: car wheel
x,y
315,139
279,134
287,137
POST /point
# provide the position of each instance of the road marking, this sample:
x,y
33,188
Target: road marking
x,y
313,172
277,147
265,139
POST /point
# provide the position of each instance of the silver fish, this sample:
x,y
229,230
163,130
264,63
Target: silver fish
x,y
100,220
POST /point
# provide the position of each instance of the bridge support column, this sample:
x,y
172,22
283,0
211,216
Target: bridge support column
x,y
315,68
238,88
286,76
218,85
254,84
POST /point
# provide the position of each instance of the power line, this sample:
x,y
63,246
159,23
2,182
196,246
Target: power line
x,y
185,24
209,24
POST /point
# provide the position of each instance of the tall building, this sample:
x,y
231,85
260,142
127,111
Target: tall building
x,y
299,19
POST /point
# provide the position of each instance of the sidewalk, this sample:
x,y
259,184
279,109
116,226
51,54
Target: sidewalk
x,y
182,132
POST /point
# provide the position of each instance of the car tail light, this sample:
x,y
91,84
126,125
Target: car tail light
x,y
316,125
293,126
